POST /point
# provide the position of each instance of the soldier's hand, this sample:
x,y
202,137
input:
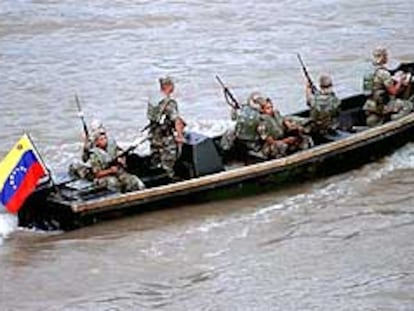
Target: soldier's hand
x,y
179,139
122,161
114,169
407,79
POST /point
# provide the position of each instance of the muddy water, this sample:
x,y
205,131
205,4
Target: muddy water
x,y
340,243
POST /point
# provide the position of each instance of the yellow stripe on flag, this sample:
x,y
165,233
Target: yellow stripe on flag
x,y
13,157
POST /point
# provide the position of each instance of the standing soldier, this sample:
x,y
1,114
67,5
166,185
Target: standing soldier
x,y
107,169
324,106
166,129
381,91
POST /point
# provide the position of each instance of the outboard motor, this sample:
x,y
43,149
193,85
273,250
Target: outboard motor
x,y
199,157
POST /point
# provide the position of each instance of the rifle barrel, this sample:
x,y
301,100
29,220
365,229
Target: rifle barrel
x,y
227,92
85,127
306,73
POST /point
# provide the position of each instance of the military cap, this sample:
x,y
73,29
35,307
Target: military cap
x,y
165,80
325,81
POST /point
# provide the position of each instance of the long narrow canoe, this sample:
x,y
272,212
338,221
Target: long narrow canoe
x,y
204,173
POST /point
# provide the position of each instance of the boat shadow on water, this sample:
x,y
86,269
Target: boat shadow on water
x,y
203,174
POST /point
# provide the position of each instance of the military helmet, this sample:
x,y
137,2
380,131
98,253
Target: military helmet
x,y
166,80
96,124
97,133
255,100
325,81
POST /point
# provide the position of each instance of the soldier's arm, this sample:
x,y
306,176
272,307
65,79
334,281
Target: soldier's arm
x,y
98,170
179,123
308,93
392,87
263,131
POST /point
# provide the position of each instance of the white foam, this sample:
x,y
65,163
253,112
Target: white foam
x,y
403,158
8,224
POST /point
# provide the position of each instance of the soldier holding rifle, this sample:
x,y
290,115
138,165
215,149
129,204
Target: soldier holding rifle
x,y
108,165
246,116
166,129
323,103
382,90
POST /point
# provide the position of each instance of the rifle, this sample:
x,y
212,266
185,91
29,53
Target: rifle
x,y
80,113
151,123
305,72
227,94
124,153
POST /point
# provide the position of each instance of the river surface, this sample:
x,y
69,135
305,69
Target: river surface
x,y
339,243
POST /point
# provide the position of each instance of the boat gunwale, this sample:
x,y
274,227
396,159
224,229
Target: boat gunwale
x,y
242,173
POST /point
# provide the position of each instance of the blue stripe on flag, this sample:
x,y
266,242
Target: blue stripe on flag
x,y
17,176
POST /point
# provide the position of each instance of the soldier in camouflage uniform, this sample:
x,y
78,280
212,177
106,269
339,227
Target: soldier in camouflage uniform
x,y
82,169
247,119
107,171
324,107
381,91
275,132
166,133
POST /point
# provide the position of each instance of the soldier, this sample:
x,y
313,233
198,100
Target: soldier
x,y
82,169
272,130
324,106
166,131
107,170
95,125
381,90
245,131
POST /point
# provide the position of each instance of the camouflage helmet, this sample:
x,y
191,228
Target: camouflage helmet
x,y
96,124
379,54
97,133
165,81
325,81
255,100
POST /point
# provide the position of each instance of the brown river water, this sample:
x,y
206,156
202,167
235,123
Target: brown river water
x,y
338,243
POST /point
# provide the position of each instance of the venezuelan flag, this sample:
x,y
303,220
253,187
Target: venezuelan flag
x,y
20,171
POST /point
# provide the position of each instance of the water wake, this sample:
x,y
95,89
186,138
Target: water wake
x,y
8,224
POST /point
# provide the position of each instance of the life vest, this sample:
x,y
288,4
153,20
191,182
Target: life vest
x,y
373,86
323,110
246,123
160,119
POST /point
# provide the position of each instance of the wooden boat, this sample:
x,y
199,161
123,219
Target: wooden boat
x,y
204,173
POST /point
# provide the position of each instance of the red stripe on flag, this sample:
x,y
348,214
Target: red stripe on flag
x,y
26,187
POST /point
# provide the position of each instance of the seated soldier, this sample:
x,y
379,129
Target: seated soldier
x,y
244,134
324,106
107,169
382,91
279,136
82,168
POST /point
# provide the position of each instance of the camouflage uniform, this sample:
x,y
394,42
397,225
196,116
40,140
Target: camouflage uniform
x,y
375,85
245,131
379,104
82,169
324,105
161,133
121,181
272,126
